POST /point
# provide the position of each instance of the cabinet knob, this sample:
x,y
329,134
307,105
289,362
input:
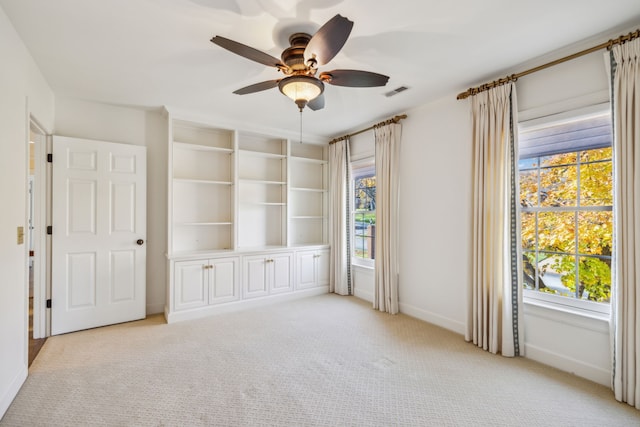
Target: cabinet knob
x,y
140,242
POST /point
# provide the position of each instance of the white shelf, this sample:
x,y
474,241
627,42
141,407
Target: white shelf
x,y
198,147
260,181
203,223
308,160
201,181
310,190
263,203
262,154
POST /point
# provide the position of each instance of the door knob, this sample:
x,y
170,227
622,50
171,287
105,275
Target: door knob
x,y
140,242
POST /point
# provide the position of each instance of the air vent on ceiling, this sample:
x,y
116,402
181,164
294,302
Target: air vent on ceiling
x,y
396,91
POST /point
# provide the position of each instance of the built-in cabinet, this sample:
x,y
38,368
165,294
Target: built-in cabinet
x,y
204,282
267,274
312,268
247,219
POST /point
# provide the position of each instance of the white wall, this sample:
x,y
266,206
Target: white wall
x,y
23,90
435,233
91,120
435,200
435,226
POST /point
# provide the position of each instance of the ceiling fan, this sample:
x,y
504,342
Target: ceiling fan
x,y
300,61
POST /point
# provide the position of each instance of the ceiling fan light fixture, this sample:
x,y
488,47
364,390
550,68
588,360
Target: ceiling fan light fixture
x,y
301,89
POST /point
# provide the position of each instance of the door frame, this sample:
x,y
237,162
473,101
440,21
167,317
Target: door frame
x,y
41,217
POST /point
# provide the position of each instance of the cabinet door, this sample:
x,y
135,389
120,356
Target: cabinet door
x,y
306,269
223,283
322,267
281,273
254,277
190,284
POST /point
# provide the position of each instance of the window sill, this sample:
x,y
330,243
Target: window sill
x,y
363,267
585,319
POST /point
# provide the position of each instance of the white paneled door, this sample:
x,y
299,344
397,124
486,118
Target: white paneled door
x,y
99,233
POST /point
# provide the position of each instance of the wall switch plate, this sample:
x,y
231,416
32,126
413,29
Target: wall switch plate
x,y
20,235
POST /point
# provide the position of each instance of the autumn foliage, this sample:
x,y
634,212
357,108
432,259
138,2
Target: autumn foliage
x,y
567,223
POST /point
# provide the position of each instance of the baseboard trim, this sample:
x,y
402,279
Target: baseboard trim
x,y
13,389
367,296
435,319
568,364
242,305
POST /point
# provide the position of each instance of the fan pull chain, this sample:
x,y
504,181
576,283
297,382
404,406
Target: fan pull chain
x,y
300,126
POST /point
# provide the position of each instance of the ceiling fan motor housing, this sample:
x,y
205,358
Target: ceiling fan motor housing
x,y
293,56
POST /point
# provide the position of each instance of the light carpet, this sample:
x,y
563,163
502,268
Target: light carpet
x,y
320,361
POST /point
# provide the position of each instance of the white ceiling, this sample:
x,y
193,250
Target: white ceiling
x,y
157,52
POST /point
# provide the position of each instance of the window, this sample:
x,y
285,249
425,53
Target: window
x,y
566,201
364,212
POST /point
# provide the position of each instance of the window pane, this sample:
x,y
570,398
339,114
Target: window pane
x,y
556,231
528,220
595,279
531,163
529,270
529,188
360,248
559,159
364,236
595,231
558,186
365,193
558,274
596,182
597,154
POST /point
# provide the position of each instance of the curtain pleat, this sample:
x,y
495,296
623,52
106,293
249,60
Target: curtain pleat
x,y
340,218
387,143
495,304
625,305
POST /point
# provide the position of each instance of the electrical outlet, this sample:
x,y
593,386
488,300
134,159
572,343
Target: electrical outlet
x,y
20,235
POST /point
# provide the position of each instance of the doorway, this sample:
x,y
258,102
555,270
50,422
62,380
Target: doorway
x,y
36,238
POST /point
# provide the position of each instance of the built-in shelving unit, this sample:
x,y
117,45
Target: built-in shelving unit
x,y
262,193
308,178
247,219
202,183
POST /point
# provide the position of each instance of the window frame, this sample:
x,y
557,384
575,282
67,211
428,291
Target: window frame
x,y
359,168
558,302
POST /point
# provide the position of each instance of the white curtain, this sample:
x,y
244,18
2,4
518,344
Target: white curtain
x,y
340,218
625,305
494,318
387,138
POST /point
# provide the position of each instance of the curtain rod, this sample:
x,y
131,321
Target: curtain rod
x,y
395,119
512,78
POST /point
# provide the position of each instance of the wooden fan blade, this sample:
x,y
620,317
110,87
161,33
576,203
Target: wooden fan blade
x,y
257,87
317,103
247,52
327,42
354,78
